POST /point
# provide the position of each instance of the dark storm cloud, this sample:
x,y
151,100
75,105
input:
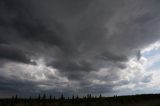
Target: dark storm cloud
x,y
11,84
78,37
16,16
13,87
13,54
2,41
73,65
98,89
111,57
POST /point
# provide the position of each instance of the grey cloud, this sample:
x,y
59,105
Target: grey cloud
x,y
13,87
13,54
78,37
19,19
72,65
2,41
147,79
111,57
98,89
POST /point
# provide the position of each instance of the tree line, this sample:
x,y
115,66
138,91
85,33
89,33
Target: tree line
x,y
88,100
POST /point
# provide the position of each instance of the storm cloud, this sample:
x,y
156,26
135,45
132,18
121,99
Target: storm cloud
x,y
85,44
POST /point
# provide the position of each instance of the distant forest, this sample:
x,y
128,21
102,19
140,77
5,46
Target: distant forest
x,y
89,100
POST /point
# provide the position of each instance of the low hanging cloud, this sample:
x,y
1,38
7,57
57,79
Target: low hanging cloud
x,y
13,54
79,39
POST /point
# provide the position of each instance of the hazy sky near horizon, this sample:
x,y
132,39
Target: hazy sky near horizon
x,y
79,47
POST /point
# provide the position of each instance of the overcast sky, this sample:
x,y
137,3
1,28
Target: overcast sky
x,y
79,47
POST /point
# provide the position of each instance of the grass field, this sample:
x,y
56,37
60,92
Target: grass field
x,y
135,100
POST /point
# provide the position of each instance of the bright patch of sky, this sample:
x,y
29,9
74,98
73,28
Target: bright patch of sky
x,y
152,54
151,66
143,74
152,50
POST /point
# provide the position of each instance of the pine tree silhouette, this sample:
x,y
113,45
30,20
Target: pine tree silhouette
x,y
62,97
72,97
50,97
44,96
39,97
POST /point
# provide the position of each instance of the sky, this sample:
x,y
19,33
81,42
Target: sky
x,y
79,47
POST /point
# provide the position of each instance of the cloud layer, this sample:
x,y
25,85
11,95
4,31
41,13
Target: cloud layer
x,y
75,46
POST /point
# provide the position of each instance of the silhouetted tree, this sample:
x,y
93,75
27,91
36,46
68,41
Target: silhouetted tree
x,y
62,97
68,98
100,96
100,99
54,98
39,97
72,97
16,97
50,97
44,96
77,97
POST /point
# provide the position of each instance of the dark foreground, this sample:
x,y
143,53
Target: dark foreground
x,y
136,100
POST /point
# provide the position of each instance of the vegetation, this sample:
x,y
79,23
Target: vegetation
x,y
135,100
